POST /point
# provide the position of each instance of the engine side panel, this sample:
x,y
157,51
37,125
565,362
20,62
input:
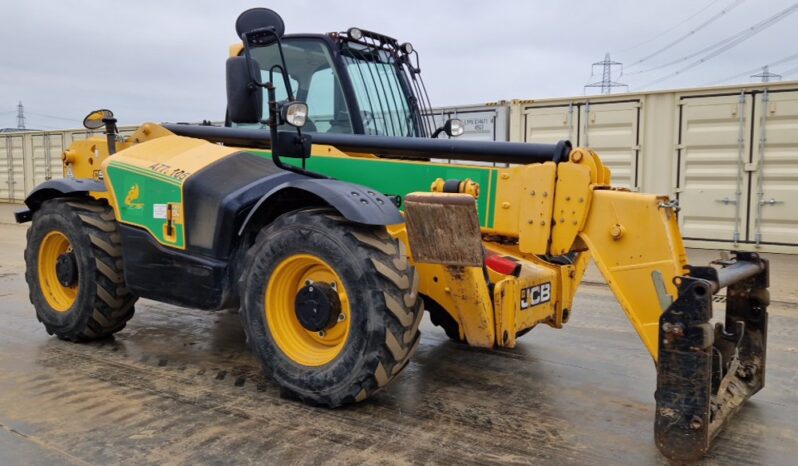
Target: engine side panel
x,y
146,183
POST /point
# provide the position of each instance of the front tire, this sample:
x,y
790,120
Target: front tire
x,y
372,332
74,270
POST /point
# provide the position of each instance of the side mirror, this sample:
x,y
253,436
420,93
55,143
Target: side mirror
x,y
453,127
293,144
244,97
260,26
94,120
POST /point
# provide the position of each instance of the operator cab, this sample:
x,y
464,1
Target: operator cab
x,y
353,82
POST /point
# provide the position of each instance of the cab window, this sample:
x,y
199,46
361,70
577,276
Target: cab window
x,y
313,80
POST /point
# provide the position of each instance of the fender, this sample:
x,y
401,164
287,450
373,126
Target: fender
x,y
56,188
356,203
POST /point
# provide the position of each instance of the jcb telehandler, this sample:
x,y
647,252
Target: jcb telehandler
x,y
330,257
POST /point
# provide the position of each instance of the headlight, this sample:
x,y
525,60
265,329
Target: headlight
x,y
354,33
456,127
295,113
407,48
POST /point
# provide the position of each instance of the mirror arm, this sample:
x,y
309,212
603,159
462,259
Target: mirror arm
x,y
273,123
110,134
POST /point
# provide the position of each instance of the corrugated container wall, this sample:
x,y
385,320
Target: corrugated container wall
x,y
728,154
28,158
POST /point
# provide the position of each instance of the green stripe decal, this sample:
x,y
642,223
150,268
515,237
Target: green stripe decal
x,y
142,196
494,180
398,178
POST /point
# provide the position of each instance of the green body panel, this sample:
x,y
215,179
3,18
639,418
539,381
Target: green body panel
x,y
146,211
394,177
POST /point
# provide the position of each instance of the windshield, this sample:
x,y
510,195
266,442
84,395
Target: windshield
x,y
313,80
379,91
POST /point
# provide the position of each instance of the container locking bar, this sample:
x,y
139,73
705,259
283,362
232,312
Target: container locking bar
x,y
704,375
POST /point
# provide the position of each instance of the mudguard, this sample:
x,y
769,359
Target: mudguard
x,y
56,188
356,203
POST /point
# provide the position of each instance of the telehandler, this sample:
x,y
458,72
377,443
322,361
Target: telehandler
x,y
330,227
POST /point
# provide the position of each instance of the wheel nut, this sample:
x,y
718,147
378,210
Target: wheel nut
x,y
322,333
341,317
696,423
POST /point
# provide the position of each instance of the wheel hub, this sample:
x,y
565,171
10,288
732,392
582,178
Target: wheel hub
x,y
317,306
66,269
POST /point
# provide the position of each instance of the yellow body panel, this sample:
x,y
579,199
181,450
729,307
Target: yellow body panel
x,y
166,155
534,228
633,238
540,209
648,243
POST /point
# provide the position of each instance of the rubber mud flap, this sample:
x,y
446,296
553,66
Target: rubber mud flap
x,y
444,229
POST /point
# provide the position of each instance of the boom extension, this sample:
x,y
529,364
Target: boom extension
x,y
568,210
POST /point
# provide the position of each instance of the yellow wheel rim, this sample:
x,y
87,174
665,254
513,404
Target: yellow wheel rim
x,y
303,346
59,297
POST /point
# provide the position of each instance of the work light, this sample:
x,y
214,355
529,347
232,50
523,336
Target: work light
x,y
295,113
354,33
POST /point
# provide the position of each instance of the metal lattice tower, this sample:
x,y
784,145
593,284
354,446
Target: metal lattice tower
x,y
606,84
20,116
766,75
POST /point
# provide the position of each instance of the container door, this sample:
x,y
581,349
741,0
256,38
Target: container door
x,y
479,125
47,150
547,125
713,184
773,203
611,130
12,169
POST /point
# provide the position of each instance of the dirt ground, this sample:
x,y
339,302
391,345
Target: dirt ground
x,y
179,386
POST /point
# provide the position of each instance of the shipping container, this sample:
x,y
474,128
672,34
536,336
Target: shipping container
x,y
28,158
487,122
728,154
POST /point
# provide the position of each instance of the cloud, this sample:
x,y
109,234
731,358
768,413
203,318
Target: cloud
x,y
164,61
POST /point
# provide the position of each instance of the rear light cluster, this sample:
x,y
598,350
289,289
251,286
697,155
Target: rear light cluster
x,y
503,265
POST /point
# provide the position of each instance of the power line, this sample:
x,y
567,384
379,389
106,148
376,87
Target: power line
x,y
53,117
754,30
677,26
692,32
723,45
754,70
790,71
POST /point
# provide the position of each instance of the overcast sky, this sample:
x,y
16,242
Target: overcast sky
x,y
164,60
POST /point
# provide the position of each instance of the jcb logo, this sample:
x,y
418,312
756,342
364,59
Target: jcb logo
x,y
534,295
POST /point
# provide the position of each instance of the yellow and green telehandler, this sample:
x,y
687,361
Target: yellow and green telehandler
x,y
331,226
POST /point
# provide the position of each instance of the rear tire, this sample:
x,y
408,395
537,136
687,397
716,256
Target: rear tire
x,y
381,318
94,302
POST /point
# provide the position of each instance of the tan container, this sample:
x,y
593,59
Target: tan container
x,y
729,154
